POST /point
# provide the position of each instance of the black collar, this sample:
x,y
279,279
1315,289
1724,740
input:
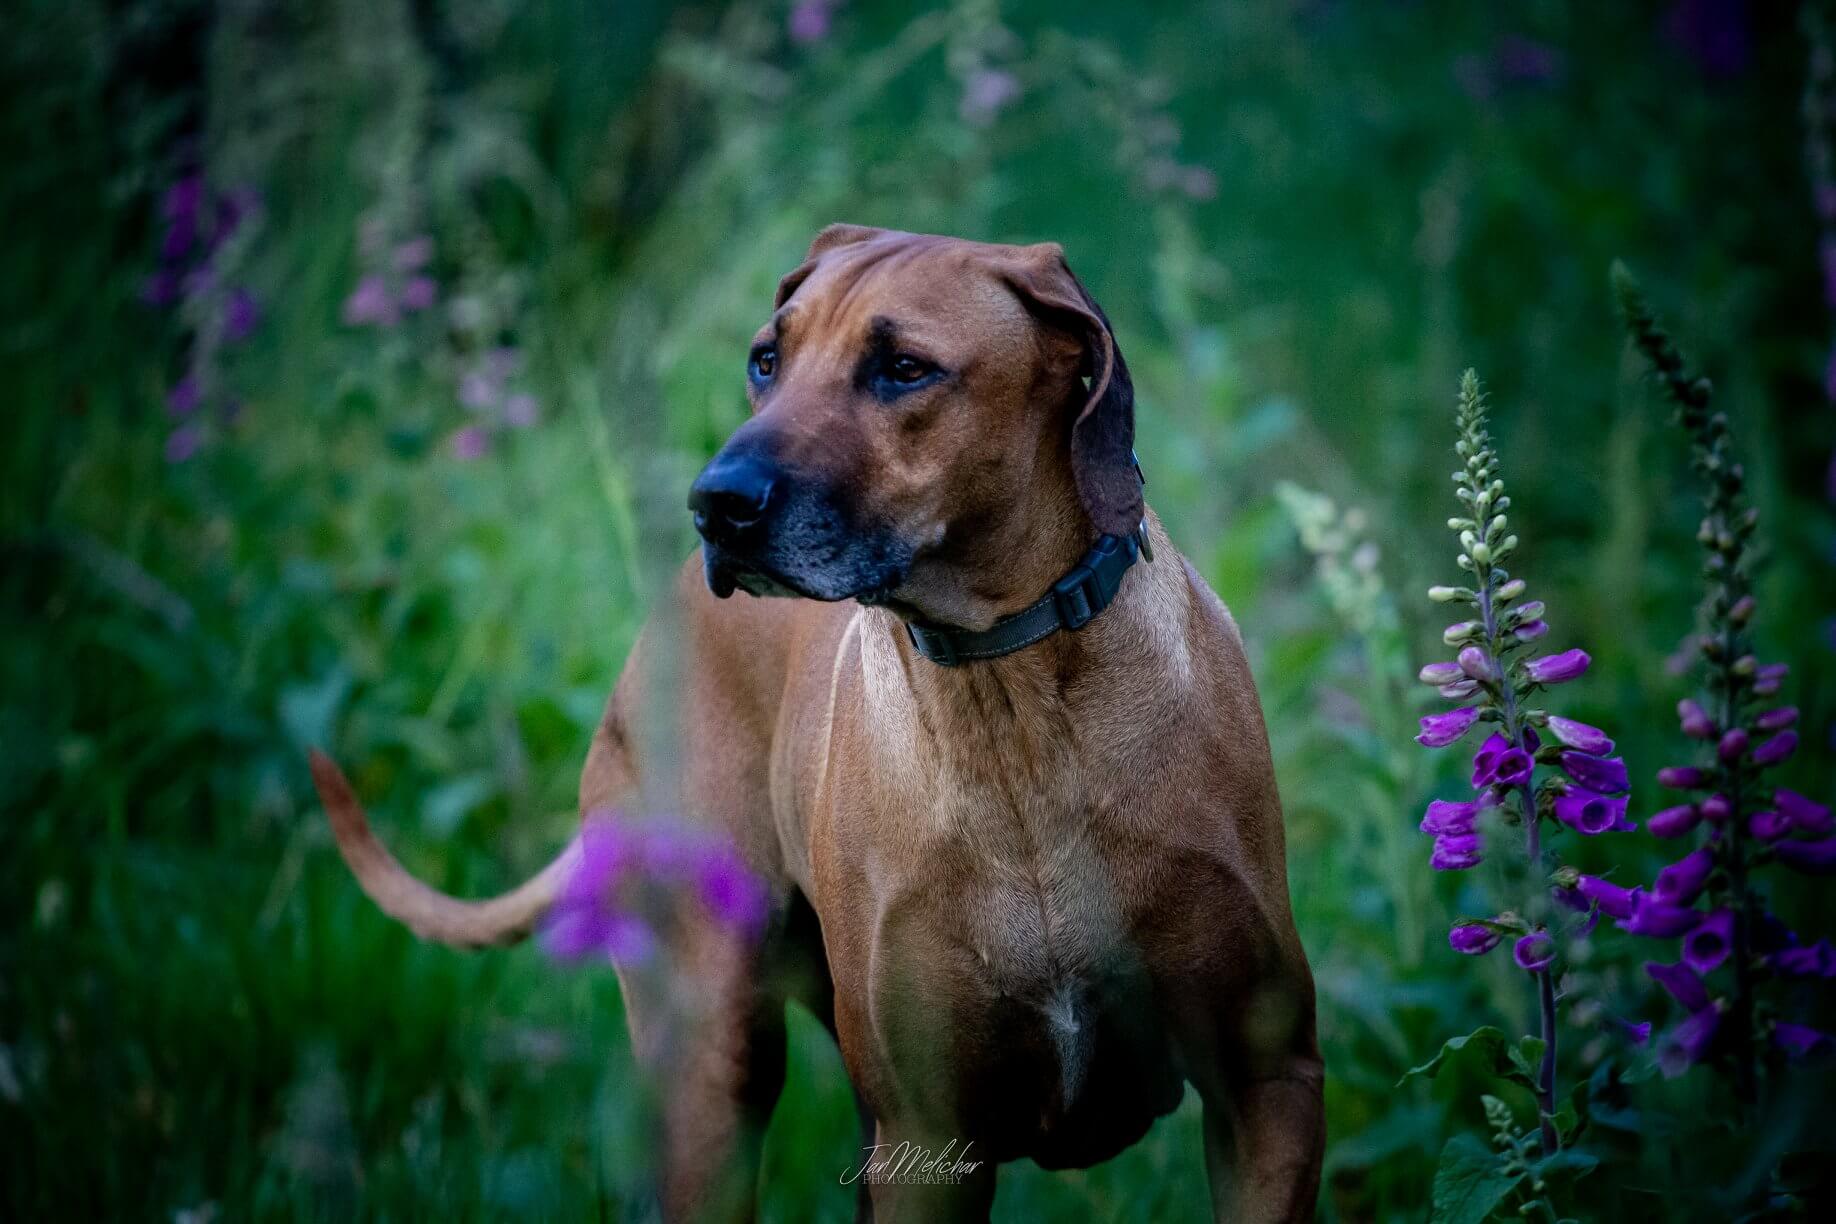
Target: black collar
x,y
1072,603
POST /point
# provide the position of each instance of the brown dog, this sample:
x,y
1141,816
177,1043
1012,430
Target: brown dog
x,y
1032,894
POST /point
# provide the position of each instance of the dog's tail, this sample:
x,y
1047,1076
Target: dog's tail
x,y
428,912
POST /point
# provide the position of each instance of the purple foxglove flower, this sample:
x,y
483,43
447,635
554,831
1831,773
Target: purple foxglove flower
x,y
1461,629
521,410
1733,745
809,22
1580,736
1715,808
1768,826
1776,749
1444,817
1438,674
1777,720
1682,983
1638,1034
1534,952
370,303
183,198
1440,730
1588,813
1529,631
414,254
1708,945
1696,722
1808,960
1473,938
1475,663
1804,815
1688,1044
1658,919
1675,821
1798,1040
1459,690
732,893
1557,668
1773,671
1614,901
472,442
1457,852
1810,857
419,292
1681,882
1608,776
186,396
182,443
241,315
1485,761
1511,767
1682,777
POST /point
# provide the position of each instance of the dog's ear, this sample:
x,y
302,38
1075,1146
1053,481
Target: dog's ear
x,y
832,236
1103,432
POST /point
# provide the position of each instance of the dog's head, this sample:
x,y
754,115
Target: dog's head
x,y
921,405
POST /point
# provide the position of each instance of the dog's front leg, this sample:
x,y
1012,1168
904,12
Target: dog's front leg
x,y
910,1184
711,1041
1264,1135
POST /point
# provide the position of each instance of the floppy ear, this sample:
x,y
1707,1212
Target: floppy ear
x,y
832,236
1103,432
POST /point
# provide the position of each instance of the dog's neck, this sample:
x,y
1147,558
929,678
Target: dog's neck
x,y
1137,640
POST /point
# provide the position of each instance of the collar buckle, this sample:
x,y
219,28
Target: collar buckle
x,y
938,647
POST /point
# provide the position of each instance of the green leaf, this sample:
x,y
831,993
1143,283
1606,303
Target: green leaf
x,y
1470,1182
1526,1059
1488,1049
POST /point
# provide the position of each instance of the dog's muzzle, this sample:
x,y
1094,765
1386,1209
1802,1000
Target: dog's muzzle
x,y
767,532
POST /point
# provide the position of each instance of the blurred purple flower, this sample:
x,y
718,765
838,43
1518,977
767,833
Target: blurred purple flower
x,y
1614,901
1688,1043
1769,825
1810,857
1658,919
419,292
1473,938
1580,736
986,93
478,390
1588,813
1675,821
471,442
809,21
1804,815
1557,668
521,410
1776,749
160,289
1526,61
371,303
1608,776
1682,983
1681,882
183,442
1777,720
1808,960
1798,1040
1457,852
413,255
1707,946
241,315
186,396
1445,817
1682,777
1440,730
1534,952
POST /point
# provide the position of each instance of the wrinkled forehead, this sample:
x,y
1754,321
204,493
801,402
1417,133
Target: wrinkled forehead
x,y
941,294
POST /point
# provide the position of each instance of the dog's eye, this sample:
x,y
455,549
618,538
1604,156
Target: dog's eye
x,y
907,369
764,363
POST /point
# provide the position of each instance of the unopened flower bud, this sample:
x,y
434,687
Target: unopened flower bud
x,y
1696,722
1509,591
1475,663
1715,808
1482,553
1733,745
1746,665
1742,611
1443,594
1461,632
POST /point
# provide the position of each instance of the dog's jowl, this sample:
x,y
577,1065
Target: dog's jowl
x,y
992,746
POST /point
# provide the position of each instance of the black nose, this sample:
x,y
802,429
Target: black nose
x,y
731,495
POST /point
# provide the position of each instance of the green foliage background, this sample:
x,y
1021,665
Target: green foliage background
x,y
197,1006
